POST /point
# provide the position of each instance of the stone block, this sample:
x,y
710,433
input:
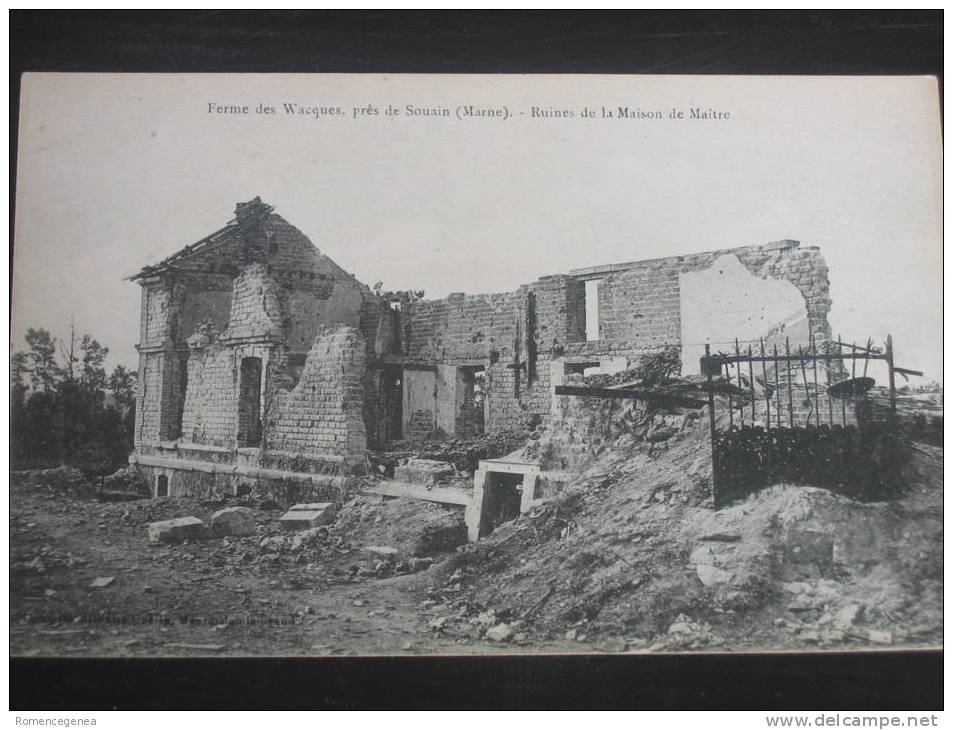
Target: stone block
x,y
177,530
305,519
233,521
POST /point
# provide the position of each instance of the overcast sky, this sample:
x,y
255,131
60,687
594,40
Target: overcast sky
x,y
118,171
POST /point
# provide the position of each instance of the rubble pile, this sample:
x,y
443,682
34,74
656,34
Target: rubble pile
x,y
64,479
627,555
463,453
920,410
631,556
127,482
652,369
583,429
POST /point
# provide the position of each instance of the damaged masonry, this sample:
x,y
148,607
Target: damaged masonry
x,y
266,369
661,455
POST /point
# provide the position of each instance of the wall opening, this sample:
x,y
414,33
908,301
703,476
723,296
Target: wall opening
x,y
582,368
471,415
182,387
504,492
249,402
392,402
296,362
162,486
592,308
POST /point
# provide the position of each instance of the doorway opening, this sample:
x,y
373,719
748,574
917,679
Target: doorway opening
x,y
592,309
162,486
392,404
182,388
581,368
249,402
471,414
504,493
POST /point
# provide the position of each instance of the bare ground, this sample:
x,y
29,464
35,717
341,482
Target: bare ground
x,y
629,558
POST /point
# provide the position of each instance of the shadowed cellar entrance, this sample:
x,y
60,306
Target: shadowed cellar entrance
x,y
391,404
502,490
502,503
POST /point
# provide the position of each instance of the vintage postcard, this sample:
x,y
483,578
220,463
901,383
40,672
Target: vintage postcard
x,y
310,365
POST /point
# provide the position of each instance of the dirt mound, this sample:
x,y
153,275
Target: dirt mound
x,y
464,454
409,527
631,555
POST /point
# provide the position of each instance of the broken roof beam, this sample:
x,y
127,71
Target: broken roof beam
x,y
662,399
220,237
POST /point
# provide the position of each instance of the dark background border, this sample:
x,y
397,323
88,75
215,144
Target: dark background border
x,y
662,42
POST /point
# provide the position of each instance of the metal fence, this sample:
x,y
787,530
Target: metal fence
x,y
801,415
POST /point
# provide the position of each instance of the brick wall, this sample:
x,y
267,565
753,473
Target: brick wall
x,y
211,406
323,416
315,292
639,311
256,309
490,329
156,322
639,307
148,399
263,281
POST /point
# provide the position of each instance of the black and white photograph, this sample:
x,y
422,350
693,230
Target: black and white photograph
x,y
476,360
394,365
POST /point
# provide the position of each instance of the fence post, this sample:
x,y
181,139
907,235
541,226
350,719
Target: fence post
x,y
893,385
817,397
764,376
711,422
754,400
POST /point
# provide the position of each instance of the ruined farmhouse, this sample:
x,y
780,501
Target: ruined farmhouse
x,y
264,365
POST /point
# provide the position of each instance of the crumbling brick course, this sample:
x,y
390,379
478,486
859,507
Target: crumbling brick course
x,y
323,416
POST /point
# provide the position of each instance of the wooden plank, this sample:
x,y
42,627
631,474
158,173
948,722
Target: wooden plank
x,y
442,495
